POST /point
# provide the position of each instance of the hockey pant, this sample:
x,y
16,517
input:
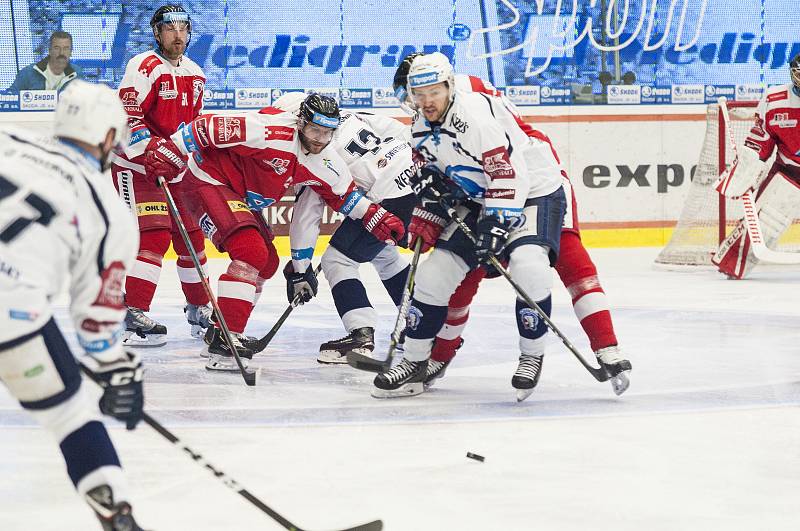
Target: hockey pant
x,y
156,231
352,245
42,374
777,201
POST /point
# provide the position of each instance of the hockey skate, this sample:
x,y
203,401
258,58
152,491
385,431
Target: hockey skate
x,y
434,371
404,379
112,516
617,367
199,317
248,342
219,354
142,331
360,341
527,375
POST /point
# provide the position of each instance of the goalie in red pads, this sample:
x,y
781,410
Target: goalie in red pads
x,y
777,196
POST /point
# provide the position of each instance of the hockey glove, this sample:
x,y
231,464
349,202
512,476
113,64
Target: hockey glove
x,y
383,224
163,159
425,225
433,186
492,235
304,284
121,380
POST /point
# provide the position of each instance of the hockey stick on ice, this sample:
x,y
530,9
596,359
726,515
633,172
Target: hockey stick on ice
x,y
366,363
228,481
260,344
598,372
751,221
248,374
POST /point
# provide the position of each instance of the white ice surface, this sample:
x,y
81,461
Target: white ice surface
x,y
707,436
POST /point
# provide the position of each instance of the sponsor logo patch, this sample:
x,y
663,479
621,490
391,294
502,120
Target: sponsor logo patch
x,y
152,209
279,132
280,166
229,129
497,165
500,193
778,96
112,279
207,226
237,206
782,121
165,92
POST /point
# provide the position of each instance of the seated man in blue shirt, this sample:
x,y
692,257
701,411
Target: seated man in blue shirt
x,y
53,72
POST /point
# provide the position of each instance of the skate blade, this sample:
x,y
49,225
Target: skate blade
x,y
620,383
331,357
365,363
132,339
224,367
197,332
522,394
204,352
409,389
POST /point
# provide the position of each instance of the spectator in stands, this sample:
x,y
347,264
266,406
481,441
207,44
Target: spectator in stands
x,y
54,72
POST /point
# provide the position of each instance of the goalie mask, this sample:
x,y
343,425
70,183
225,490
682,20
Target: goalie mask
x,y
794,70
401,80
317,121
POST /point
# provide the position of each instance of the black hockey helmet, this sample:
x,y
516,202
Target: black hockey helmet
x,y
794,70
321,110
401,74
170,14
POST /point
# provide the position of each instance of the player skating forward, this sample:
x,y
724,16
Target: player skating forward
x,y
376,150
515,207
777,198
241,164
53,196
574,265
161,89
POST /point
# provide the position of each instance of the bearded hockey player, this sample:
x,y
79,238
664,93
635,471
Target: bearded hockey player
x,y
53,196
574,266
777,195
515,207
161,89
241,164
377,152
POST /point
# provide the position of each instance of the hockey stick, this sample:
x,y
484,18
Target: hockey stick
x,y
366,363
598,372
751,221
228,481
248,375
260,344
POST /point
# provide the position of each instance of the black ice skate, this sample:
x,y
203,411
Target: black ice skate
x,y
199,317
617,367
249,343
360,341
112,516
219,353
142,331
527,375
405,379
435,371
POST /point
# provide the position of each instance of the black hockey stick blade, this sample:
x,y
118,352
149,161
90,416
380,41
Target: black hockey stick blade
x,y
377,525
365,363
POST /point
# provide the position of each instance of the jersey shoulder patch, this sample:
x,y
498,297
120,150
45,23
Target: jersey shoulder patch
x,y
778,96
149,63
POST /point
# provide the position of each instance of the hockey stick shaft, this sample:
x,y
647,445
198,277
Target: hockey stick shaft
x,y
262,343
228,481
598,373
249,377
751,221
405,302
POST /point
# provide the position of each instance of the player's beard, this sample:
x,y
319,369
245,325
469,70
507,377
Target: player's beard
x,y
173,50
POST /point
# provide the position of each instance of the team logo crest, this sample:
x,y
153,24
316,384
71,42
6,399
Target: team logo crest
x,y
529,318
197,89
279,165
414,318
165,92
207,226
112,279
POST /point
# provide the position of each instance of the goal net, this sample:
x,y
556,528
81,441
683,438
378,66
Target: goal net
x,y
707,216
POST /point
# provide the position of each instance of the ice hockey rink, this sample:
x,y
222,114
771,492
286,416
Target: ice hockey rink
x,y
707,436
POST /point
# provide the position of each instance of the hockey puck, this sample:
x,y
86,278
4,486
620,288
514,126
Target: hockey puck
x,y
476,457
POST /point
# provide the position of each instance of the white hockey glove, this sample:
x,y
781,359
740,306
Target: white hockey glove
x,y
742,176
121,380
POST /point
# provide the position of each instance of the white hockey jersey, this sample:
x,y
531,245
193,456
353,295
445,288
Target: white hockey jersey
x,y
61,225
480,145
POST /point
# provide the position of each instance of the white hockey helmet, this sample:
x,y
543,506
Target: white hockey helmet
x,y
431,69
290,102
86,112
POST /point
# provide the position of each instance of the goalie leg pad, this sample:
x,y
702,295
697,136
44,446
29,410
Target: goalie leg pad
x,y
776,203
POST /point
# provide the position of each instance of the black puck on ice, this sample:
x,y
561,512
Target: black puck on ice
x,y
476,457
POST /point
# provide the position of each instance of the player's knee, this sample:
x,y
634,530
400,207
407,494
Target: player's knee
x,y
389,263
466,291
574,262
337,267
65,417
248,246
273,261
530,268
156,242
438,276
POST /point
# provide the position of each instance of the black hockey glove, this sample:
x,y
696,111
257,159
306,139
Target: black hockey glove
x,y
305,284
491,237
433,186
121,380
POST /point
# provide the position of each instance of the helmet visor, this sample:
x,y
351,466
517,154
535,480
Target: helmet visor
x,y
175,20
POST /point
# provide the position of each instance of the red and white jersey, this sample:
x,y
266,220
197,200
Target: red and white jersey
x,y
476,84
159,97
258,155
776,126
